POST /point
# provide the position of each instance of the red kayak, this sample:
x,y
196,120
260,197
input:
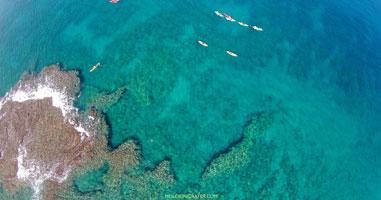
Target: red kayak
x,y
227,17
113,1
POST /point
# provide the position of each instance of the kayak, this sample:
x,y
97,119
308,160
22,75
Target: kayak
x,y
243,24
257,28
95,66
218,14
202,43
231,53
229,18
226,15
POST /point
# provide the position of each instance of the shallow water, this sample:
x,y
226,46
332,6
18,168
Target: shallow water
x,y
315,68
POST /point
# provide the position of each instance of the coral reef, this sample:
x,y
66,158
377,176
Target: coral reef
x,y
103,101
92,180
256,127
162,172
271,172
154,77
118,175
239,154
142,184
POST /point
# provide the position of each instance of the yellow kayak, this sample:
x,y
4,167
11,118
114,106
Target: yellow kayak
x,y
95,66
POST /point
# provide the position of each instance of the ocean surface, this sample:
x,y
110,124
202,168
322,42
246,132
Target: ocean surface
x,y
316,67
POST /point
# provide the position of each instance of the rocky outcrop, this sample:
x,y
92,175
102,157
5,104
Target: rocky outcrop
x,y
42,135
239,154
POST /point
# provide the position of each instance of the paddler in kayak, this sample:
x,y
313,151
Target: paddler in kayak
x,y
257,28
227,17
243,24
202,43
218,14
231,53
95,66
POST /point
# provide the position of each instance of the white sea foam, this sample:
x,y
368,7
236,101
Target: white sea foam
x,y
30,172
1,116
83,131
58,97
37,173
66,174
1,104
3,100
22,172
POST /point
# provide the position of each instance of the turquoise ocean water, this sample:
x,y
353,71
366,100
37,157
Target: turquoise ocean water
x,y
316,68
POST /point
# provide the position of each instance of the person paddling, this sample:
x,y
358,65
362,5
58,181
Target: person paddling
x,y
202,43
95,66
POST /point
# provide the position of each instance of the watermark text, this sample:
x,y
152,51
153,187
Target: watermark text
x,y
191,196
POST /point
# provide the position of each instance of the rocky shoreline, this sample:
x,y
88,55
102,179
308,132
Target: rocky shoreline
x,y
42,136
48,145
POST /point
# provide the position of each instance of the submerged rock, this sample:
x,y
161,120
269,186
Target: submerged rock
x,y
91,181
104,101
239,154
119,174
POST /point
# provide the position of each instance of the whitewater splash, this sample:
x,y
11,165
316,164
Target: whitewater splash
x,y
59,97
31,170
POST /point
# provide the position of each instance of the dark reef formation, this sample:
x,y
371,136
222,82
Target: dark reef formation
x,y
103,101
239,154
119,175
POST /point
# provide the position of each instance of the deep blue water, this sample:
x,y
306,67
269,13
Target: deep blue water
x,y
316,67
